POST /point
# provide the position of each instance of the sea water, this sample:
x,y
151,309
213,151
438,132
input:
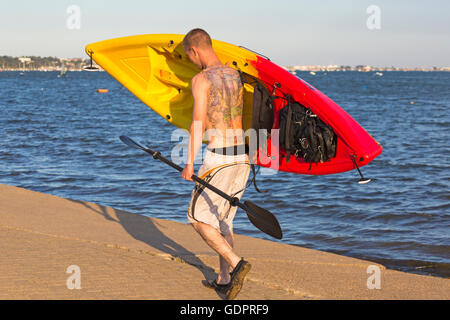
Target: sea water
x,y
59,136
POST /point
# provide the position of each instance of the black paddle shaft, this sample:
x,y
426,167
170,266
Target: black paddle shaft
x,y
157,155
261,218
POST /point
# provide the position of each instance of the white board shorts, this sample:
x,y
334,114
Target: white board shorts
x,y
227,173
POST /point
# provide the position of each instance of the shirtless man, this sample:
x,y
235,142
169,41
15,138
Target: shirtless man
x,y
218,104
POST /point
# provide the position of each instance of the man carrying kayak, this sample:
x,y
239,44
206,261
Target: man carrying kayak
x,y
218,103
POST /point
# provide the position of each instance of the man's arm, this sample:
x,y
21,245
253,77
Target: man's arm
x,y
198,125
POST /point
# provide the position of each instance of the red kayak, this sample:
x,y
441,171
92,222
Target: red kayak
x,y
355,147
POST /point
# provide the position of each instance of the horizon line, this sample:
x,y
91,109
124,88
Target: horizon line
x,y
288,66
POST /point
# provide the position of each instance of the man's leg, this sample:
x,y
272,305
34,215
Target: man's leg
x,y
225,267
222,245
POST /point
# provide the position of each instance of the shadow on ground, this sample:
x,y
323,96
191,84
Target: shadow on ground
x,y
149,232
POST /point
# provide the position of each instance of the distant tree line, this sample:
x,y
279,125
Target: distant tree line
x,y
37,63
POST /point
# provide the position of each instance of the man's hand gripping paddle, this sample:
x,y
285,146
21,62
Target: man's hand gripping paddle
x,y
261,218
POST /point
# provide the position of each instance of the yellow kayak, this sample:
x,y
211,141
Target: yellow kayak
x,y
155,69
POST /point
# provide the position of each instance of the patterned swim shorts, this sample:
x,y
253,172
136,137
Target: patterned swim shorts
x,y
229,174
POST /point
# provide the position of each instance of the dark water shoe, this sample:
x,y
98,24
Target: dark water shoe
x,y
237,279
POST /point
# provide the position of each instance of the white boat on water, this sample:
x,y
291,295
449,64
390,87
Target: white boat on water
x,y
379,74
312,73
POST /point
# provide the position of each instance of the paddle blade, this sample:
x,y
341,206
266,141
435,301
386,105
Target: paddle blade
x,y
263,219
130,142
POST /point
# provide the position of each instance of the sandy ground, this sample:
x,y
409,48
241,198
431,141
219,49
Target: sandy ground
x,y
57,248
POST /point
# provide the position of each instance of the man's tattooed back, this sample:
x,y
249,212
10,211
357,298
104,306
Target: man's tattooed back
x,y
225,104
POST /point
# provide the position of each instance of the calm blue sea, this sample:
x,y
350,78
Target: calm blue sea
x,y
59,136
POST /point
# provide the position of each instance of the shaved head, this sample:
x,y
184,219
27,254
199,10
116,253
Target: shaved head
x,y
197,38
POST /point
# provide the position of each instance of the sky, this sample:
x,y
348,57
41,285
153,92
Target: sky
x,y
410,33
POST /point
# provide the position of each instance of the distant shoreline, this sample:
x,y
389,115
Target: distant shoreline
x,y
52,70
360,68
312,70
101,70
36,63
